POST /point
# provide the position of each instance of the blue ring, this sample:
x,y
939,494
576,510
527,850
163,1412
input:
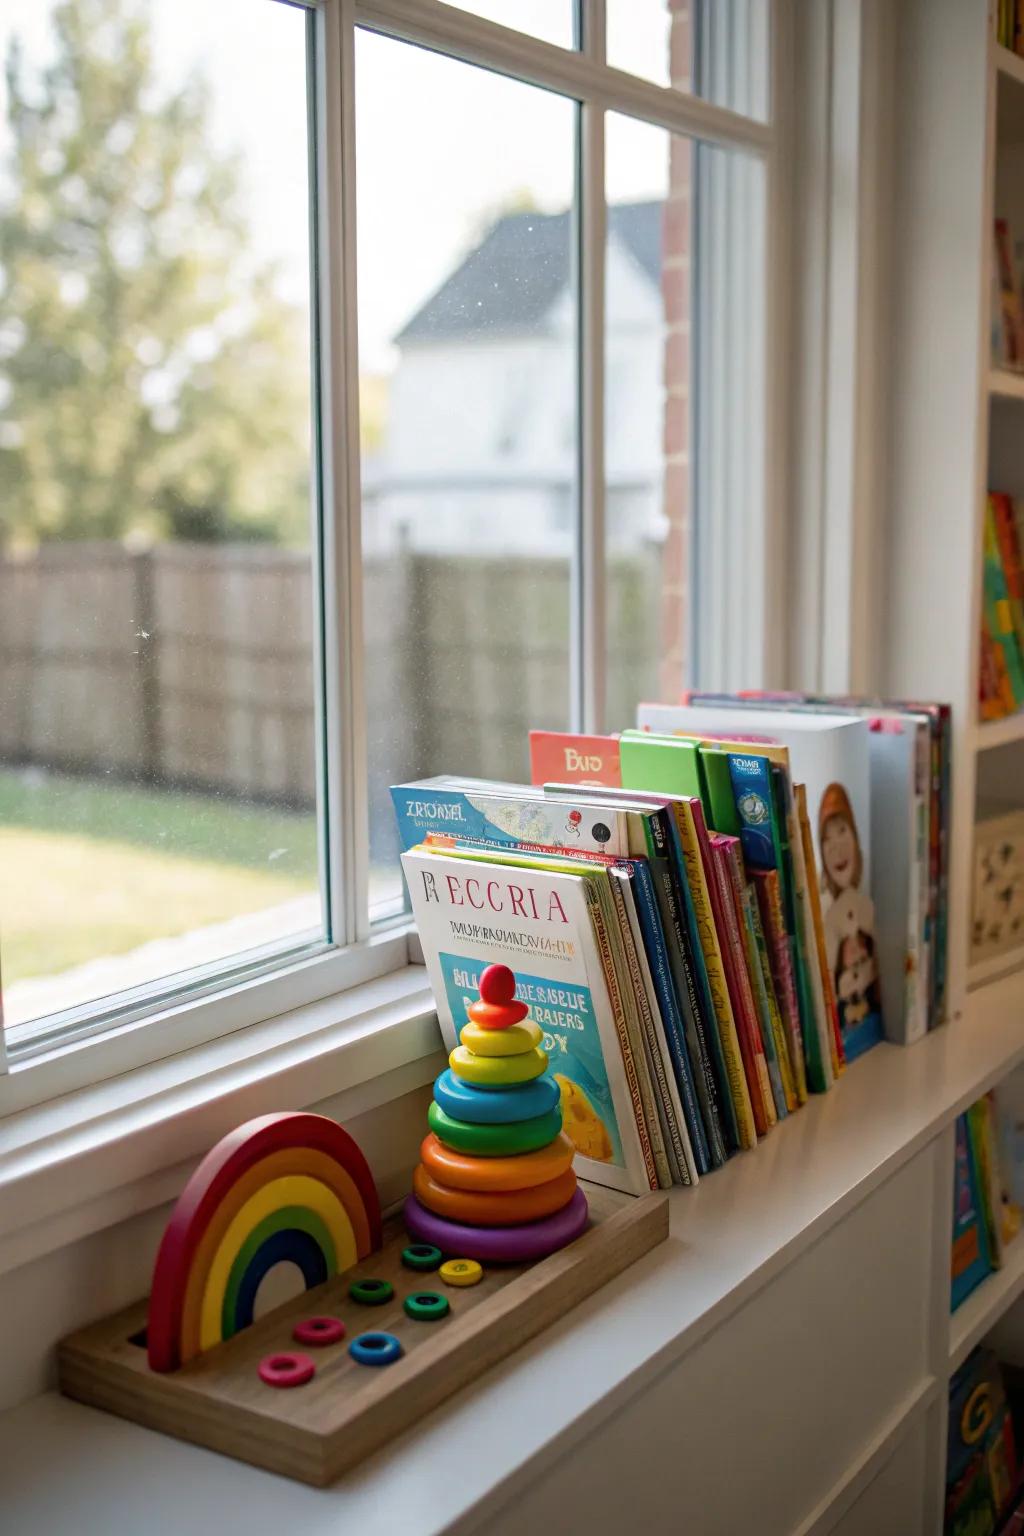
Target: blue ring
x,y
495,1106
385,1351
292,1245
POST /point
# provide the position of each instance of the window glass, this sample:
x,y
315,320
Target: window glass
x,y
158,759
467,323
717,49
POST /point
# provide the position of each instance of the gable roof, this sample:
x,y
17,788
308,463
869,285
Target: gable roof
x,y
509,282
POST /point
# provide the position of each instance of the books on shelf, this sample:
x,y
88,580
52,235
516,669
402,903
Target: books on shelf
x,y
997,907
1009,19
988,1179
1007,318
1001,667
982,1469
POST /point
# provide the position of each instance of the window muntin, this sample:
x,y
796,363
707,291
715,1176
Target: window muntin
x,y
158,718
550,20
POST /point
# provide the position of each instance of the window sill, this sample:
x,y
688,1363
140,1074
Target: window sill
x,y
102,1154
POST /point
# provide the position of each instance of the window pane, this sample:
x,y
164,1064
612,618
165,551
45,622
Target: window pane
x,y
551,20
684,312
715,48
157,700
469,434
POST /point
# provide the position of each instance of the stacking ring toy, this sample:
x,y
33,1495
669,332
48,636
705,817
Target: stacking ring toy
x,y
421,1256
461,1172
498,1071
371,1293
494,1140
514,1041
286,1370
375,1349
499,1107
319,1331
480,1209
426,1306
500,1245
497,984
497,1015
461,1272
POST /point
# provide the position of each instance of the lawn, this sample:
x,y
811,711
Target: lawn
x,y
92,868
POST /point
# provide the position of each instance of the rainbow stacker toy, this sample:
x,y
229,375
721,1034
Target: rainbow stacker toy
x,y
495,1182
386,1327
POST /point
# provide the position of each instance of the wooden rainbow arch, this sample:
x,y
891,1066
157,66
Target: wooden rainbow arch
x,y
282,1187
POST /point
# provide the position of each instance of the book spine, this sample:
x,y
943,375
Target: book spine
x,y
766,887
775,1023
687,1069
693,840
677,1149
741,974
612,984
634,998
750,1041
693,1021
754,1000
979,1130
674,1046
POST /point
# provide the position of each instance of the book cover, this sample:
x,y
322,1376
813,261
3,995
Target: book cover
x,y
970,1261
509,816
997,610
1009,557
981,1130
1008,295
540,924
1008,1119
564,757
982,1471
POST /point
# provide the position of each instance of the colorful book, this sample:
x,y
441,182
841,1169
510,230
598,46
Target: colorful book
x,y
546,927
742,901
562,757
766,888
734,962
982,1470
998,612
970,1260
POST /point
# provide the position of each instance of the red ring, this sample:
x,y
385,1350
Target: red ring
x,y
318,1331
283,1370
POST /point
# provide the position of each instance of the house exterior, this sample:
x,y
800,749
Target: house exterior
x,y
479,451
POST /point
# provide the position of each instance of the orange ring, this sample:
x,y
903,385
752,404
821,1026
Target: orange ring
x,y
459,1170
483,1209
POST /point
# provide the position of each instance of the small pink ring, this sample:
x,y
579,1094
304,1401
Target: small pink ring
x,y
318,1331
283,1370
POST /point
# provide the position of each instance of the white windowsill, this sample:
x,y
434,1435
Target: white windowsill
x,y
80,1163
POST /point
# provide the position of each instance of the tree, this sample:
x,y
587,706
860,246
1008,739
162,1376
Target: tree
x,y
151,379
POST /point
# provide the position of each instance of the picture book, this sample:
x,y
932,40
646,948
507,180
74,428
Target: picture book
x,y
542,925
766,888
503,816
970,1261
1007,1099
565,758
760,1011
738,983
982,1470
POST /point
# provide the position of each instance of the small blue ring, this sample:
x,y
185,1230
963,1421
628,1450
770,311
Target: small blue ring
x,y
495,1106
375,1349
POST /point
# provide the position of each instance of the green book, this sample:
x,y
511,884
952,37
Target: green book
x,y
665,765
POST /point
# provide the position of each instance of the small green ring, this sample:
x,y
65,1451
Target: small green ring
x,y
427,1306
422,1256
371,1293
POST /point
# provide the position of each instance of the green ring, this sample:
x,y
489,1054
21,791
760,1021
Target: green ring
x,y
371,1293
422,1256
495,1140
427,1306
297,1216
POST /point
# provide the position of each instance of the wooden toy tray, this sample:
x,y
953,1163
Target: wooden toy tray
x,y
317,1431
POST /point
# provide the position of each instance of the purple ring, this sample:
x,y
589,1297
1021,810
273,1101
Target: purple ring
x,y
499,1245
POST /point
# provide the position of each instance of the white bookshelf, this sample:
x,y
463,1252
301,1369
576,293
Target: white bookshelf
x,y
998,733
986,1305
1006,383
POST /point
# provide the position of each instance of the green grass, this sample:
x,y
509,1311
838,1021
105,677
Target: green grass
x,y
92,868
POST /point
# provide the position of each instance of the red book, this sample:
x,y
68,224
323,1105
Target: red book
x,y
562,757
751,1048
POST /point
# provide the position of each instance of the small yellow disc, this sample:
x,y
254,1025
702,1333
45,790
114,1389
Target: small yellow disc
x,y
514,1041
498,1071
461,1272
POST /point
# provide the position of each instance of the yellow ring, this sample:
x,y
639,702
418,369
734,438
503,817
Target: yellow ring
x,y
294,1189
461,1272
498,1071
514,1041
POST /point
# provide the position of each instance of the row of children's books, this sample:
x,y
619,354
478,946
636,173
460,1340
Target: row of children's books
x,y
984,1495
1007,301
988,1185
1010,25
1001,680
688,911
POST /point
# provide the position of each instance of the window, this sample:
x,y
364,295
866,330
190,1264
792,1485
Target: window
x,y
254,570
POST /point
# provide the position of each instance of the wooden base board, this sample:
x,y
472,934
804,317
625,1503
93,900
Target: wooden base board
x,y
316,1432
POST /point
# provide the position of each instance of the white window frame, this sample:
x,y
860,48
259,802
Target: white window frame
x,y
140,1030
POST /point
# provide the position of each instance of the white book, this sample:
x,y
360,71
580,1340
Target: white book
x,y
472,914
899,840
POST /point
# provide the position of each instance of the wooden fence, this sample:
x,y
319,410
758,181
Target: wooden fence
x,y
192,665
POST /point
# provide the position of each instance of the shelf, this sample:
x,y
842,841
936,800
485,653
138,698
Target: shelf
x,y
985,1306
994,966
999,733
1010,96
1005,384
1010,64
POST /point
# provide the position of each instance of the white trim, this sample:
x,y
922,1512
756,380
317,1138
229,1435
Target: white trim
x,y
64,1166
447,29
592,590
